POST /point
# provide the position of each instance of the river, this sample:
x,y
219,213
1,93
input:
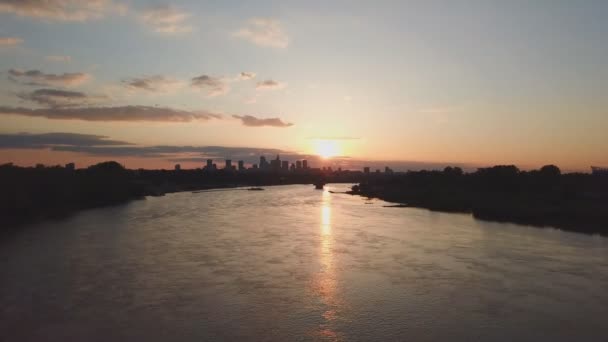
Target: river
x,y
296,264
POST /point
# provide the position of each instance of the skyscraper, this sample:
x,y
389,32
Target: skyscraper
x,y
298,164
209,164
275,164
228,164
305,164
285,165
241,165
263,163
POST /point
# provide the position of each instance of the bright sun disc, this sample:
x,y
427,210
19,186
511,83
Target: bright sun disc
x,y
327,148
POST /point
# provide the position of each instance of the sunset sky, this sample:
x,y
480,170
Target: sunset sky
x,y
402,83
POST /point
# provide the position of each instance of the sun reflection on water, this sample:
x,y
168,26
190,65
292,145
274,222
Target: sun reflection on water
x,y
325,284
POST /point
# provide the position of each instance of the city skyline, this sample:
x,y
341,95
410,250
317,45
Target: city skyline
x,y
409,85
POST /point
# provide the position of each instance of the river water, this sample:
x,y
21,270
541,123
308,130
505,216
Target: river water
x,y
296,264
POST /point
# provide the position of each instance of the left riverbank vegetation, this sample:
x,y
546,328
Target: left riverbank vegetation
x,y
32,193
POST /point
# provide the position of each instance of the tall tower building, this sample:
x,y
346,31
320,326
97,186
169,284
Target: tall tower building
x,y
305,164
275,164
263,163
228,164
241,165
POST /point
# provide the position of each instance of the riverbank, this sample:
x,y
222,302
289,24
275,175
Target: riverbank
x,y
33,194
572,202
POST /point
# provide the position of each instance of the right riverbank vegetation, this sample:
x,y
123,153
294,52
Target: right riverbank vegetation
x,y
545,197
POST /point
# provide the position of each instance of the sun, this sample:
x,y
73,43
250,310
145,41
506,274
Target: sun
x,y
327,148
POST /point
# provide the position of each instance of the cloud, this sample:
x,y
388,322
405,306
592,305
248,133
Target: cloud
x,y
440,115
246,75
59,97
166,19
270,85
121,113
155,83
264,32
10,41
173,153
58,58
37,77
200,154
215,86
335,138
252,121
62,10
50,140
104,147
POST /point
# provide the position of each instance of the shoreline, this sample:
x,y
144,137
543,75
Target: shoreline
x,y
589,228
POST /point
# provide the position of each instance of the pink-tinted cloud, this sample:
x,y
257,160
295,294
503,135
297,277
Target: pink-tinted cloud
x,y
252,121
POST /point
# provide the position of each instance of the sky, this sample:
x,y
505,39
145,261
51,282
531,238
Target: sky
x,y
408,84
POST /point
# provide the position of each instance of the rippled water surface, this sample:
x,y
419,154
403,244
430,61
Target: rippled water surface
x,y
292,263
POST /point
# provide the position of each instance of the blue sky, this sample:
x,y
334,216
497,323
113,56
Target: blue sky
x,y
477,82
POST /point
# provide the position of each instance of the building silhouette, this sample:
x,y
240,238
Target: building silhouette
x,y
305,164
263,163
275,164
241,165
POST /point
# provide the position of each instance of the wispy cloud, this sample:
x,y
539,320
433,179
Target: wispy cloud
x,y
118,113
214,86
252,121
59,98
334,138
50,140
154,83
270,85
105,147
246,75
62,10
10,41
99,145
166,19
440,115
264,32
37,77
59,58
